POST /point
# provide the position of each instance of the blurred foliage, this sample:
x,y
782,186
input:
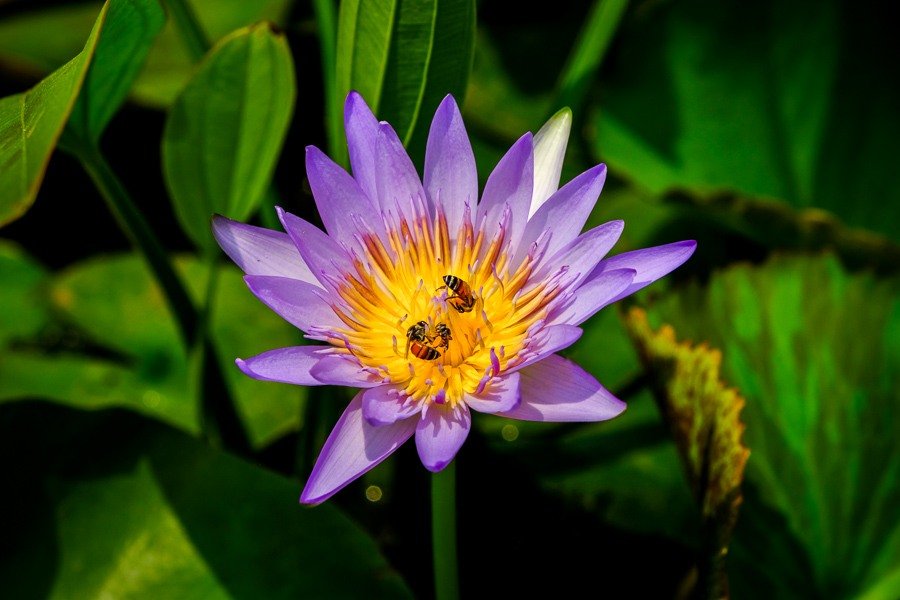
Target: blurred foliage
x,y
225,130
766,132
166,516
40,41
136,358
771,100
128,33
815,352
30,125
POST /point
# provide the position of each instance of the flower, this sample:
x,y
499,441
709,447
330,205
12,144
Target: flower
x,y
435,302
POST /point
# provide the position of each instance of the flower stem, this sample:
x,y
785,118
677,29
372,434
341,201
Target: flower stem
x,y
443,533
135,227
220,420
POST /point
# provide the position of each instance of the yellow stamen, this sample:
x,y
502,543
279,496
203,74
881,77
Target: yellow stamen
x,y
398,282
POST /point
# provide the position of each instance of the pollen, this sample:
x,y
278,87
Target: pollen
x,y
438,315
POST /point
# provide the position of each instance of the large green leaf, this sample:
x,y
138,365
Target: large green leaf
x,y
224,132
116,305
30,125
115,505
404,56
816,353
157,389
128,33
712,97
40,41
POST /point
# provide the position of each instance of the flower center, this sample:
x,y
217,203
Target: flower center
x,y
436,315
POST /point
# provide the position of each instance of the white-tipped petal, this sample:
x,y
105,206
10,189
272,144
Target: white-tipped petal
x,y
549,151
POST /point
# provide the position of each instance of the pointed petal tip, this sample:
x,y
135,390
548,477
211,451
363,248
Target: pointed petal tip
x,y
355,102
448,103
307,498
562,117
313,150
244,367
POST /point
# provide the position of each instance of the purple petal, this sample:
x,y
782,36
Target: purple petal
x,y
353,448
582,254
383,405
565,212
260,251
557,389
650,264
287,365
547,341
300,304
594,295
362,134
440,434
343,369
321,253
451,179
501,395
400,191
511,184
340,200
307,365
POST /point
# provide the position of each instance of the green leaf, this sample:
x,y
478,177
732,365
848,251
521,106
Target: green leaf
x,y
134,509
40,41
23,305
128,34
815,352
155,387
404,56
115,302
756,115
30,125
224,132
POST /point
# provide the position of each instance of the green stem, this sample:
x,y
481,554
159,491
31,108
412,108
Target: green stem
x,y
443,533
588,52
221,423
191,31
135,227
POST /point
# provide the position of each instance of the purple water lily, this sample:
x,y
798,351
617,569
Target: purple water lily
x,y
434,301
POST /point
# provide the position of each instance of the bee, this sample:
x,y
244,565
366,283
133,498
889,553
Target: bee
x,y
418,332
462,299
420,339
442,331
423,351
